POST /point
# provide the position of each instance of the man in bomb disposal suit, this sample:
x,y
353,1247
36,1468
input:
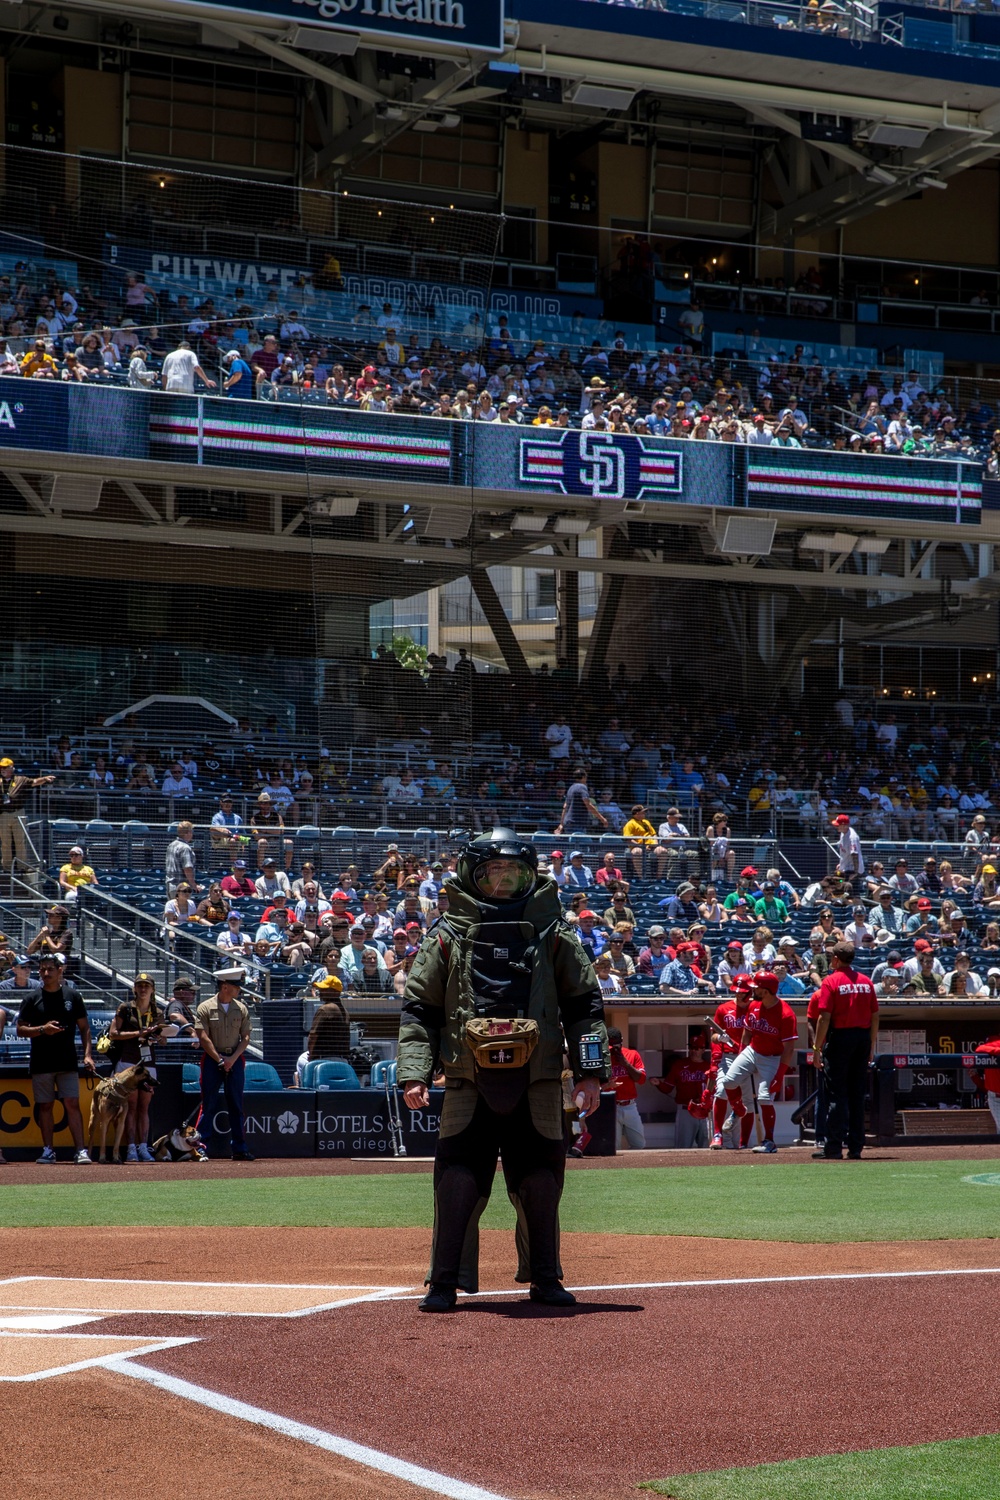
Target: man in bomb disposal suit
x,y
500,988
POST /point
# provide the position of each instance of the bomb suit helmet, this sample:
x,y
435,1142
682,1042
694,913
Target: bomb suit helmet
x,y
498,866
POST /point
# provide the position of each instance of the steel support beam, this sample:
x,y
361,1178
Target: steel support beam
x,y
300,62
496,619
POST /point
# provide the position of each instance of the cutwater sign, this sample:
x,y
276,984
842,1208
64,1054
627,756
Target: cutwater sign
x,y
606,465
458,23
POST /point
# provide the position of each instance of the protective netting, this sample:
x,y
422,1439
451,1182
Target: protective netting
x,y
376,588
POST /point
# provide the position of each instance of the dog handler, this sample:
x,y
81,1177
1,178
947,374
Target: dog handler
x,y
499,988
223,1028
137,1024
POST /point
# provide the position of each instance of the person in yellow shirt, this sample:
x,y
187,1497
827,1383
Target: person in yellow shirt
x,y
75,874
38,362
640,831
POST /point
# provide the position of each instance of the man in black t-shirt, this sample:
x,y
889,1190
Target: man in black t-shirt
x,y
50,1018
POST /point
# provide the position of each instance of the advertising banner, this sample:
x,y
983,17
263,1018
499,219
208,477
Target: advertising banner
x,y
293,435
842,484
453,23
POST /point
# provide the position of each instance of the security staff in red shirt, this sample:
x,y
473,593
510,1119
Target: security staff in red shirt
x,y
844,1045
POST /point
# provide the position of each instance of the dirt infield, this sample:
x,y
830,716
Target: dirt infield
x,y
105,1422
381,1375
398,1257
587,1403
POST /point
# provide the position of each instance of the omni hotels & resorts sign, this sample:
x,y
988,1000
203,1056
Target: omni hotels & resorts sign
x,y
476,24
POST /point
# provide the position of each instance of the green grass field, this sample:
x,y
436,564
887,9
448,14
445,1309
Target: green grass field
x,y
805,1203
964,1469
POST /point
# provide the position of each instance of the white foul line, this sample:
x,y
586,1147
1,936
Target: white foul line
x,y
371,1458
86,1364
378,1295
652,1286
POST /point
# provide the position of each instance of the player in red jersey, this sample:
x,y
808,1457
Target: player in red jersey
x,y
987,1074
729,1021
770,1029
686,1079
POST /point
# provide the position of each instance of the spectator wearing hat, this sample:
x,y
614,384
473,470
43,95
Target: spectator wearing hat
x,y
655,957
619,910
225,825
962,979
923,969
181,1008
682,906
75,874
850,860
268,819
744,883
857,931
578,876
136,1025
985,893
222,1026
432,885
352,957
271,879
642,836
770,908
237,885
673,835
901,881
621,961
50,1017
14,791
591,936
55,937
233,942
732,966
330,1035
681,976
238,383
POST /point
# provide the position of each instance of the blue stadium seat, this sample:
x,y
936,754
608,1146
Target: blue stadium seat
x,y
333,1073
192,1078
261,1078
382,1072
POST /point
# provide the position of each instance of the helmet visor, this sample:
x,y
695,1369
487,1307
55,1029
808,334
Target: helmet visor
x,y
503,879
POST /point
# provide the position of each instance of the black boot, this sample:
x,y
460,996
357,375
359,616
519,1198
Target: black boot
x,y
439,1299
552,1294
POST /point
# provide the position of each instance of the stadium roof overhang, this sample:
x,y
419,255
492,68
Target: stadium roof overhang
x,y
448,532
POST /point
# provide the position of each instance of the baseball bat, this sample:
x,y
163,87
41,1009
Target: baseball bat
x,y
758,1123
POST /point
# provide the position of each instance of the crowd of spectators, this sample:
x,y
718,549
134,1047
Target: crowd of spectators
x,y
285,349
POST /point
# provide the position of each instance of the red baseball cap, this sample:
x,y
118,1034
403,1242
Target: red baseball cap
x,y
747,873
591,914
411,927
765,980
339,896
922,946
924,903
734,943
742,982
557,854
843,818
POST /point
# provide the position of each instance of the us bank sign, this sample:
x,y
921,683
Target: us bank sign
x,y
460,23
604,465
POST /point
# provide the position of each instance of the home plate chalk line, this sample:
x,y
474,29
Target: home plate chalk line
x,y
112,1296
